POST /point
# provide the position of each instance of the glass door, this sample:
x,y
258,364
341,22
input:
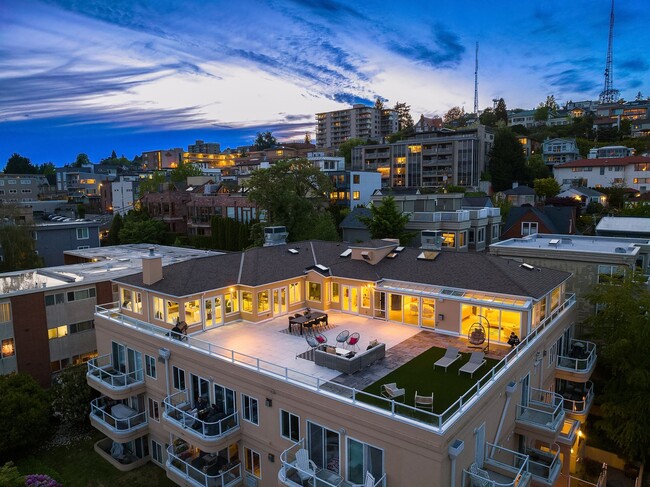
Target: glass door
x,y
428,313
380,305
213,311
280,301
323,446
350,301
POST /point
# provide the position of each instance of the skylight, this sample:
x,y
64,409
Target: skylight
x,y
346,253
527,266
322,267
428,255
399,249
292,251
392,255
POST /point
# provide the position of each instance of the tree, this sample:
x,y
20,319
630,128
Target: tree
x,y
501,112
307,138
622,327
454,116
46,168
18,164
151,184
404,115
114,231
113,155
264,140
345,149
537,168
71,396
379,103
82,160
18,248
24,414
294,194
547,187
184,171
507,161
10,476
541,113
386,221
488,118
140,228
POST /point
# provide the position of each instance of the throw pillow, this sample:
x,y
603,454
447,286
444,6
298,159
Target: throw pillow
x,y
320,339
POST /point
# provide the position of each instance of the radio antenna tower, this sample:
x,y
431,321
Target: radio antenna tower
x,y
476,83
609,94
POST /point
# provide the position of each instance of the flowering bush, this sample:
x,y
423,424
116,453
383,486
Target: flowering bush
x,y
40,480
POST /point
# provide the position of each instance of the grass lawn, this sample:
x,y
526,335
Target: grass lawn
x,y
78,465
419,375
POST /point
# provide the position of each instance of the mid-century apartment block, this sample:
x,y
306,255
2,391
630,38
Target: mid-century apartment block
x,y
227,370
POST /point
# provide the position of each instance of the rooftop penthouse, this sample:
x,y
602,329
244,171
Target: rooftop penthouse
x,y
272,400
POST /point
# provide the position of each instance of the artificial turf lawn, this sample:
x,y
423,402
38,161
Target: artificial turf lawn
x,y
418,375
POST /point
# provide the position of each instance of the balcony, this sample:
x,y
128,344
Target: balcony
x,y
541,415
117,420
501,468
207,429
103,376
291,475
121,457
569,432
544,465
454,216
579,363
195,468
577,399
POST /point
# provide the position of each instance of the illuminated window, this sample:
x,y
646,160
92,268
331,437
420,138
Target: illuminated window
x,y
127,299
192,312
313,291
158,308
356,195
58,332
449,239
365,297
263,303
247,301
414,149
294,292
253,463
172,312
232,303
335,292
8,349
5,312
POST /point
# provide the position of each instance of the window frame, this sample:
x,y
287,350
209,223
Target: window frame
x,y
310,290
84,231
178,378
248,405
150,367
153,406
290,417
251,462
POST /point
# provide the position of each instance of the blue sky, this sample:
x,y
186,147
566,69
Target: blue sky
x,y
134,75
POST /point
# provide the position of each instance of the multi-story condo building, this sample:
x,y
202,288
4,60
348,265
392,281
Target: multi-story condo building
x,y
17,188
162,159
557,151
124,194
523,117
610,115
431,159
610,152
630,172
46,315
203,147
243,397
360,121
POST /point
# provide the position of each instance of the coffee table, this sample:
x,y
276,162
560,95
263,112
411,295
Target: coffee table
x,y
343,352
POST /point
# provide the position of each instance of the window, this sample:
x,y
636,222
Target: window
x,y
313,291
294,292
470,237
232,303
5,312
25,190
449,240
81,294
481,235
58,332
528,228
154,410
252,463
365,297
81,326
247,301
82,233
52,299
362,458
83,247
158,308
156,452
289,426
250,413
179,378
150,366
192,311
172,312
127,299
461,239
609,274
7,348
356,179
263,303
335,292
356,195
323,447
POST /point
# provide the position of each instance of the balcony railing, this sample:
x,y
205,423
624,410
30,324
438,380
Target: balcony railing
x,y
544,465
581,358
502,468
454,216
343,393
293,475
208,475
201,423
117,417
578,401
101,369
543,408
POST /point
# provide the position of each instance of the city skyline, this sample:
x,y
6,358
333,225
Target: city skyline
x,y
99,76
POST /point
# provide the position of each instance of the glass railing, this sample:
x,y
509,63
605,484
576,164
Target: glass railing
x,y
543,408
581,358
502,462
118,416
208,423
383,406
579,401
206,475
544,464
102,369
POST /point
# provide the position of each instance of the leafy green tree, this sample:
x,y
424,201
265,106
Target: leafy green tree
x,y
24,414
546,188
294,194
18,164
18,248
47,168
541,113
140,228
501,111
345,149
454,116
10,476
264,140
82,160
507,160
504,205
114,231
537,168
379,103
184,171
386,221
622,328
151,184
404,115
488,118
71,396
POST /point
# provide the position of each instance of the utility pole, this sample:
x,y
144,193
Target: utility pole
x,y
609,94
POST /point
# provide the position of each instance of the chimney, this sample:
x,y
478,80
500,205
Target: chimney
x,y
151,268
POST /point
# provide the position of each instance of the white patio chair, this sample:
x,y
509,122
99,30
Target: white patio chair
x,y
307,468
391,391
424,402
475,361
451,355
368,482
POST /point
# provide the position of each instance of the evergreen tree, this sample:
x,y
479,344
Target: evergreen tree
x,y
507,161
18,164
114,232
404,115
386,221
501,112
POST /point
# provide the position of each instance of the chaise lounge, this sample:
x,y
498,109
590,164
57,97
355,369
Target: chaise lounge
x,y
451,355
475,361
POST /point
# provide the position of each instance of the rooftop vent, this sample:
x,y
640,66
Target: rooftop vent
x,y
392,255
366,255
275,236
554,242
346,253
527,266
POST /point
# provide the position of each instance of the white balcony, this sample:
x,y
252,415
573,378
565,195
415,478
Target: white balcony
x,y
541,414
501,468
111,380
117,420
202,470
578,364
577,398
544,464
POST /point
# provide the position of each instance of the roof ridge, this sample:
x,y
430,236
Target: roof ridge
x,y
241,267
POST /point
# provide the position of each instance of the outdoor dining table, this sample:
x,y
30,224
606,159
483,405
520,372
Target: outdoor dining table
x,y
307,320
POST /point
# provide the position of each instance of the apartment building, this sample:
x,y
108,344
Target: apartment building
x,y
360,121
431,159
47,314
57,234
241,398
523,117
630,172
557,151
203,147
610,152
18,188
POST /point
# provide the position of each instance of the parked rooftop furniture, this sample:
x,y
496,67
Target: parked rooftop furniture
x,y
353,340
451,355
352,361
475,361
307,468
424,402
368,482
342,337
391,391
